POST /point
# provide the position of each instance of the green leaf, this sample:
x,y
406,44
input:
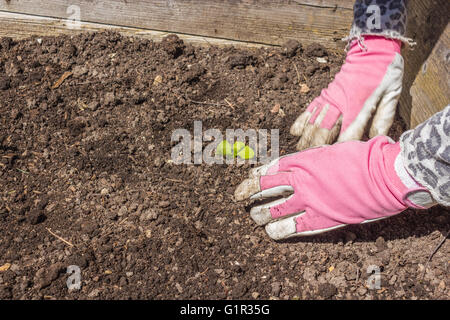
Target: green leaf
x,y
246,153
224,149
238,146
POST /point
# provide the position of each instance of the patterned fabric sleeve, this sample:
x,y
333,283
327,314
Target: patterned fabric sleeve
x,y
379,17
426,155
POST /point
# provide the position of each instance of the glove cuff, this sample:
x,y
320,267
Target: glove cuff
x,y
413,194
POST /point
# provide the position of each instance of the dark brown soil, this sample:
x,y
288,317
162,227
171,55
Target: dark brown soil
x,y
88,162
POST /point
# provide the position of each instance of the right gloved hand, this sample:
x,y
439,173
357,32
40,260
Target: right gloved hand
x,y
328,187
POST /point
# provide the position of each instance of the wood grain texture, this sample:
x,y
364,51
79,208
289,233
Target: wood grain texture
x,y
259,21
430,90
427,22
21,26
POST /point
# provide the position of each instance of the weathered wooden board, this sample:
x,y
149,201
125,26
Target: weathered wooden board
x,y
260,21
21,26
430,91
427,24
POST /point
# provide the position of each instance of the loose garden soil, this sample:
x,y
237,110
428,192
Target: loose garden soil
x,y
86,179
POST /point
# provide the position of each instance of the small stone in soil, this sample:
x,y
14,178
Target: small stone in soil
x,y
36,216
240,61
276,289
164,204
173,45
291,47
327,290
45,276
316,50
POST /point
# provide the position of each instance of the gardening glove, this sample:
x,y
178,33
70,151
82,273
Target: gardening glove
x,y
370,81
328,187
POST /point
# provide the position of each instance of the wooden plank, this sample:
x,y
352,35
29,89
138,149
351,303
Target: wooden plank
x,y
427,21
343,4
430,91
263,21
21,26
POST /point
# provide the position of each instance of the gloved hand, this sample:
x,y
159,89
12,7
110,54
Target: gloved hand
x,y
332,186
369,81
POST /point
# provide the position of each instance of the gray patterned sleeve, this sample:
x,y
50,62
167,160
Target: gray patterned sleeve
x,y
426,155
379,17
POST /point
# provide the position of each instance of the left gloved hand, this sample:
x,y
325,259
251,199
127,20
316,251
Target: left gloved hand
x,y
369,83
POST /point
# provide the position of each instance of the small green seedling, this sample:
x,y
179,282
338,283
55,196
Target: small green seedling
x,y
239,149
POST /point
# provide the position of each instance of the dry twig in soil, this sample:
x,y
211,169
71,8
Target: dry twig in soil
x,y
58,237
434,252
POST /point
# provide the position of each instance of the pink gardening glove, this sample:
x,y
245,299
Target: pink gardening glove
x,y
332,186
370,81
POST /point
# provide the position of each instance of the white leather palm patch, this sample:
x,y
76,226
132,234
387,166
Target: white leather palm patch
x,y
384,100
